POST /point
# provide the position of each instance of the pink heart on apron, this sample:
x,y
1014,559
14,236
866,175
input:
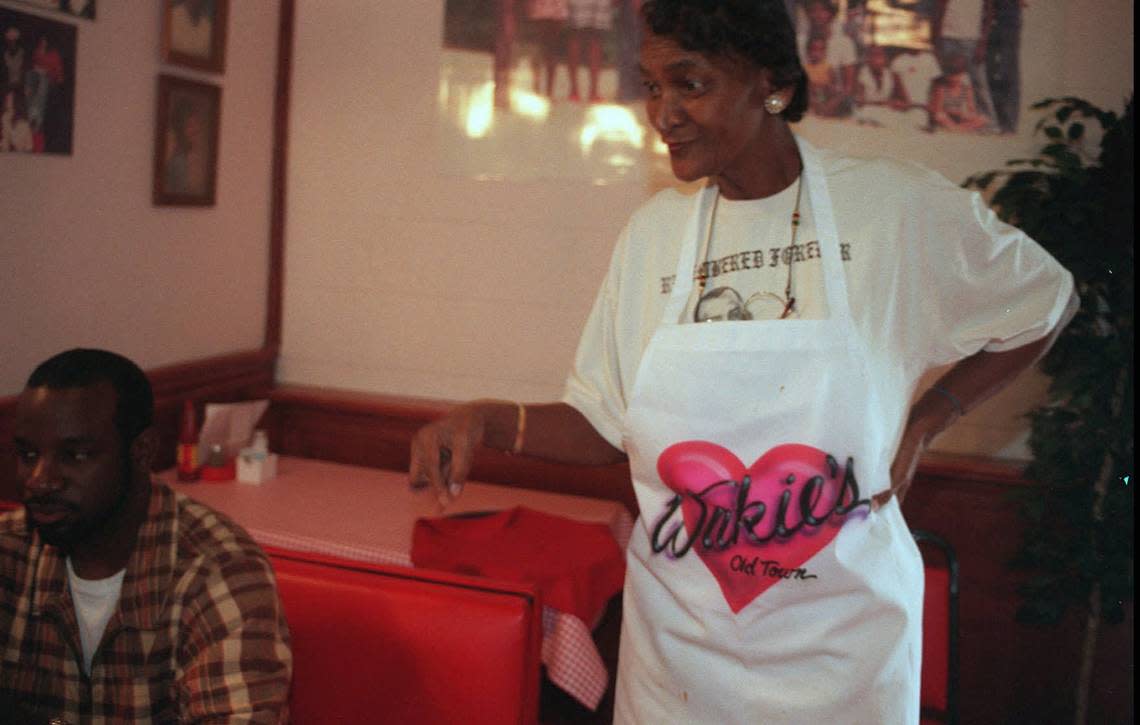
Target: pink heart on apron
x,y
756,527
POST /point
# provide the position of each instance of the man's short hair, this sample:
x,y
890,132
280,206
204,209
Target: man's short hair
x,y
79,368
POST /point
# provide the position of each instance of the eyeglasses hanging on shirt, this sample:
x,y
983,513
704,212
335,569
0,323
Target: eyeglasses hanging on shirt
x,y
725,303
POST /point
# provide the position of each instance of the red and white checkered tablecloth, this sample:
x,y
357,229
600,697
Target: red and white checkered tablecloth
x,y
367,515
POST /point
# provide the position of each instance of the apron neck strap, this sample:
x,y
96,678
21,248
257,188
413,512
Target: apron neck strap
x,y
686,261
823,214
819,201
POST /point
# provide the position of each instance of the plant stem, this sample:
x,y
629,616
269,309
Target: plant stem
x,y
1088,656
1092,622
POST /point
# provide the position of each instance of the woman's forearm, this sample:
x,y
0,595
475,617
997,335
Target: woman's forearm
x,y
970,382
443,451
956,393
552,431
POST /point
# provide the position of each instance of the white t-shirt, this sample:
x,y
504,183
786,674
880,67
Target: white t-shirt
x,y
876,92
917,71
963,19
933,276
750,255
840,49
95,601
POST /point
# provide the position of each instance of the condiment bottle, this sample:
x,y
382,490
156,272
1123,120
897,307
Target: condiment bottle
x,y
217,456
260,443
187,444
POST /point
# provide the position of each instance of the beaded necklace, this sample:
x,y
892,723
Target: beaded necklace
x,y
788,301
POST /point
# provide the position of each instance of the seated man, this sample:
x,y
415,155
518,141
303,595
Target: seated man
x,y
120,600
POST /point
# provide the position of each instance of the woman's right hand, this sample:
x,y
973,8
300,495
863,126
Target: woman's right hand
x,y
442,451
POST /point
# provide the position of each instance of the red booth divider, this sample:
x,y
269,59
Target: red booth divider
x,y
394,644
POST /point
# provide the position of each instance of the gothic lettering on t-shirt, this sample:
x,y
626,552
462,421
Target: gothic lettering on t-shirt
x,y
755,259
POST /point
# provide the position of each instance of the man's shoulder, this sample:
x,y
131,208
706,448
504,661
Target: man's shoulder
x,y
210,542
13,521
203,530
15,558
13,532
14,539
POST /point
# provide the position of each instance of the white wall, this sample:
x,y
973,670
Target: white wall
x,y
403,280
86,259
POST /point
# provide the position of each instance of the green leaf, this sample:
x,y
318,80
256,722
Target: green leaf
x,y
1079,207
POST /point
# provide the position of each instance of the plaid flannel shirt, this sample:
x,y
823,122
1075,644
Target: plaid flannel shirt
x,y
198,634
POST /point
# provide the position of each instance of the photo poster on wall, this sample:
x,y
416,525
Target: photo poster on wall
x,y
540,89
938,66
38,82
551,89
77,8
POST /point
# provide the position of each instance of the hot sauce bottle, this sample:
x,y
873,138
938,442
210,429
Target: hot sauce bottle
x,y
187,444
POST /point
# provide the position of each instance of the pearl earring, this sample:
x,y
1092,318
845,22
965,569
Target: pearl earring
x,y
775,104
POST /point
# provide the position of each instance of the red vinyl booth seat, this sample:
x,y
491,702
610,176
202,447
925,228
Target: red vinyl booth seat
x,y
394,644
939,689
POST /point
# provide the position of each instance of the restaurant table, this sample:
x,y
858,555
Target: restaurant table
x,y
367,514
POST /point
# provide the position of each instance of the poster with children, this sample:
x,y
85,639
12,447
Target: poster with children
x,y
551,88
544,89
941,66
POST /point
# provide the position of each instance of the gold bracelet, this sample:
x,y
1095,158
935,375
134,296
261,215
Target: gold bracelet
x,y
520,430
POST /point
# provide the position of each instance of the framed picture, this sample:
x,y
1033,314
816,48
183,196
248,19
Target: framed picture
x,y
194,33
186,142
77,8
37,84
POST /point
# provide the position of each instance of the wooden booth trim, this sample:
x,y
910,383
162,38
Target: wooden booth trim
x,y
284,80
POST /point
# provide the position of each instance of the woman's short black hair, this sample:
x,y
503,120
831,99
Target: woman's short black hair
x,y
758,31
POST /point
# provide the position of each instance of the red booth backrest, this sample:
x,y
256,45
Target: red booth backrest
x,y
936,638
395,644
938,694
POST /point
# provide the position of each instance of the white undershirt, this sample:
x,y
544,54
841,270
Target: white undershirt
x,y
95,601
963,19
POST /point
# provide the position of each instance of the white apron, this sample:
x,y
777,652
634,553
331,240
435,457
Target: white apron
x,y
761,588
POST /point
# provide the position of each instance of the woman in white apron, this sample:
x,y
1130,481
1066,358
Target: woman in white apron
x,y
771,577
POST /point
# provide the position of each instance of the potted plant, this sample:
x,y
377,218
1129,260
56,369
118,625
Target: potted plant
x,y
1078,203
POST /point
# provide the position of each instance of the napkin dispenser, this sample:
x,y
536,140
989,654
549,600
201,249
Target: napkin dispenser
x,y
256,464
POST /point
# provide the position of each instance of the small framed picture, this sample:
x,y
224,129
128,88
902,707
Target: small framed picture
x,y
37,84
77,8
186,142
194,33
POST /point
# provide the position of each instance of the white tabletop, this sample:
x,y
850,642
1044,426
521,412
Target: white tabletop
x,y
369,509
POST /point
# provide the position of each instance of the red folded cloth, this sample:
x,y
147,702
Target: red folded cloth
x,y
576,566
